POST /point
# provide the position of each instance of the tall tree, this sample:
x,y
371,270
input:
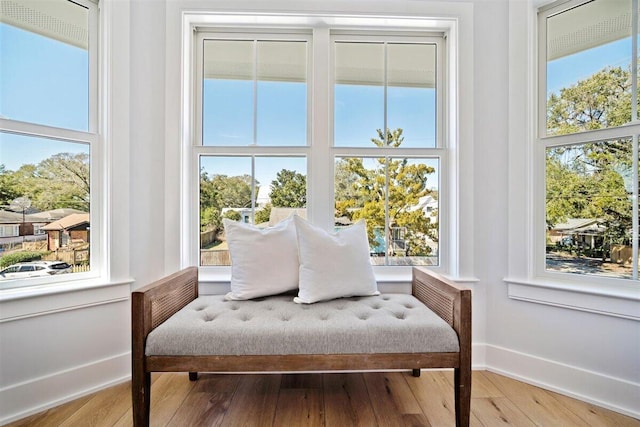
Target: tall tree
x,y
289,190
591,180
599,101
394,186
8,187
60,181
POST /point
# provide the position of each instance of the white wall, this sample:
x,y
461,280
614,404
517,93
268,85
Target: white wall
x,y
589,355
60,343
53,355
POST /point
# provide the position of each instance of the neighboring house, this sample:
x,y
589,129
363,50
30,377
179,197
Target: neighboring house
x,y
429,206
68,231
14,226
586,232
245,213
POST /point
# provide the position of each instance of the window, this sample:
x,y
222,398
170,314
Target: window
x,y
254,95
49,132
385,101
271,138
9,230
588,134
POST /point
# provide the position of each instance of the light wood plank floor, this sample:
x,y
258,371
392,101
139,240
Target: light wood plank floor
x,y
362,399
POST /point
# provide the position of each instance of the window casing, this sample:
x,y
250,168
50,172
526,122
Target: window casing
x,y
586,150
320,151
60,138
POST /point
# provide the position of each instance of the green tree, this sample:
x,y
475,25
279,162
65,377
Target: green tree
x,y
289,190
263,214
394,186
218,192
346,191
63,182
600,101
591,180
232,215
8,187
60,181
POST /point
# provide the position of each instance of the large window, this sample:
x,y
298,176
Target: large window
x,y
588,134
48,137
272,139
254,104
385,101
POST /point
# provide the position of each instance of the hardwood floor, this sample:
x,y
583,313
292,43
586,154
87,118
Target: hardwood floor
x,y
362,399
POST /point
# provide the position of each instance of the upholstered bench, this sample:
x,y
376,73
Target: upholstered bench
x,y
175,330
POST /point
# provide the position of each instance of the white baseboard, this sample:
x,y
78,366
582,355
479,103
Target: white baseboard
x,y
30,397
602,390
21,400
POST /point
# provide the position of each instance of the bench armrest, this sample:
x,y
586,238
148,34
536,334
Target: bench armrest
x,y
153,304
449,301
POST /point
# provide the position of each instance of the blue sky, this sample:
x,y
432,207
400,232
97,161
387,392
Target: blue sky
x,y
49,88
52,88
564,71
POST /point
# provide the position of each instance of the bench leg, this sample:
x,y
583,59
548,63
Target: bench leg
x,y
462,386
141,402
193,376
416,372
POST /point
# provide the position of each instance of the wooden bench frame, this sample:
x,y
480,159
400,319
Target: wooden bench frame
x,y
155,303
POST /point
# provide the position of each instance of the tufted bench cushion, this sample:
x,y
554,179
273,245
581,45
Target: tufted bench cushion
x,y
388,323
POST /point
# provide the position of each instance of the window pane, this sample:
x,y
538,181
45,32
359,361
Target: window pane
x,y
227,93
398,195
588,67
254,92
411,92
282,93
44,69
45,194
378,85
358,93
229,189
589,207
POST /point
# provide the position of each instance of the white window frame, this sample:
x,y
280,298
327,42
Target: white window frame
x,y
92,138
528,280
438,152
320,181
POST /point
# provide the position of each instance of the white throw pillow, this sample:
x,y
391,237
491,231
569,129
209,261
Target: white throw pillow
x,y
264,261
333,265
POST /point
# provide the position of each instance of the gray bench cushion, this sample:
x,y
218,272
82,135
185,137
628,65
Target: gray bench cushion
x,y
388,323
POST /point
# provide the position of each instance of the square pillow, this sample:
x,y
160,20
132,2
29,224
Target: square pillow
x,y
333,265
264,261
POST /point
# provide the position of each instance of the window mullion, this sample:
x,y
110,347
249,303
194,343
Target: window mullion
x,y
634,60
635,213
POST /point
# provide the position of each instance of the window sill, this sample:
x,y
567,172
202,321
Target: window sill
x,y
38,300
620,301
215,280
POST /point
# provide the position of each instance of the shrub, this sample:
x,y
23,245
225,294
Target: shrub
x,y
15,257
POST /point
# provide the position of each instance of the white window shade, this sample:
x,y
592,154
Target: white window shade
x,y
408,64
276,60
60,20
588,26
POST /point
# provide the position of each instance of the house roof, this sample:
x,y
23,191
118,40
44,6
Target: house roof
x,y
56,214
573,224
9,217
67,222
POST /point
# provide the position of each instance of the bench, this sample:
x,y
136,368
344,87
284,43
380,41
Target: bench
x,y
176,330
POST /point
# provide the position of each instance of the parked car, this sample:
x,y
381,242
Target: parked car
x,y
22,270
566,241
